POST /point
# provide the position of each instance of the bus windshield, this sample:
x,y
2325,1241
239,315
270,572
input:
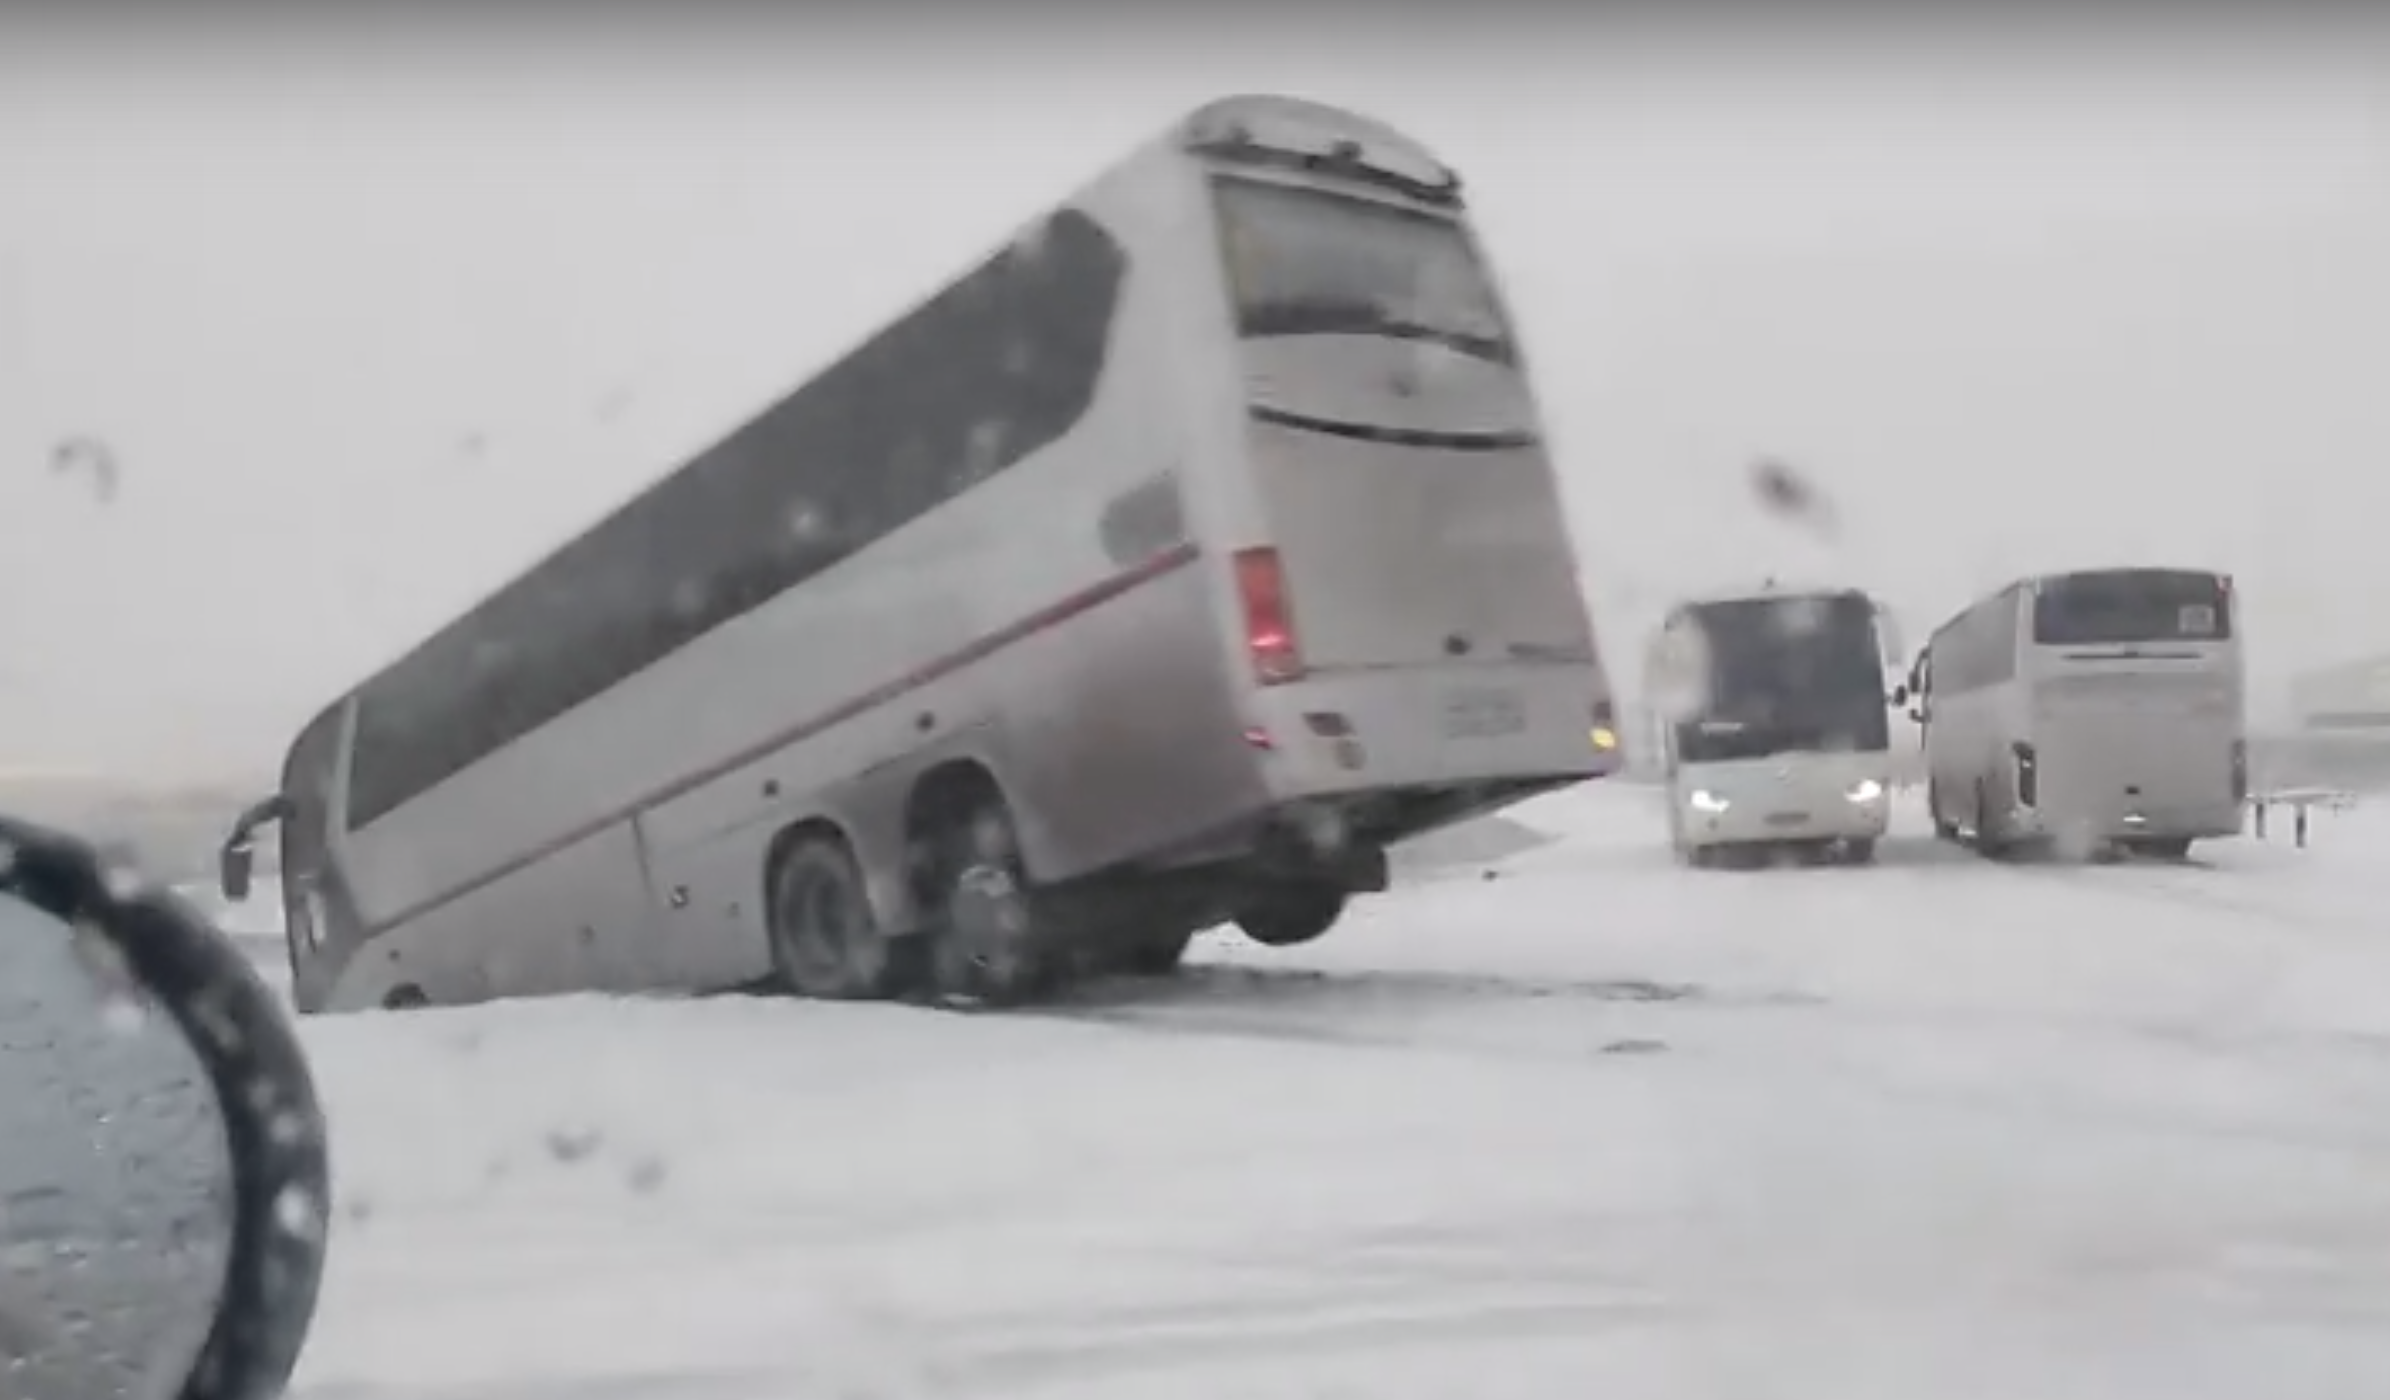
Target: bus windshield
x,y
2122,607
1306,262
1788,675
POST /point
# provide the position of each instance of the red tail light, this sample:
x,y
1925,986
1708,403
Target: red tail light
x,y
1269,619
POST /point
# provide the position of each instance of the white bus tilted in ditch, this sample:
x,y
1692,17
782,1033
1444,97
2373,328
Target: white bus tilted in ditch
x,y
2088,713
1157,573
1775,725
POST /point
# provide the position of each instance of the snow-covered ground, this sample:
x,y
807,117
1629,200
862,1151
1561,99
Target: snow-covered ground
x,y
1585,1125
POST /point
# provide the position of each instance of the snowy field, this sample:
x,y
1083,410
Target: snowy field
x,y
1574,1124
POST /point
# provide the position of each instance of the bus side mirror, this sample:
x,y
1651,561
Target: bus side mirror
x,y
233,867
1900,695
235,862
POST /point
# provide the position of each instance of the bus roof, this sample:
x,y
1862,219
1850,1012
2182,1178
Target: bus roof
x,y
2178,570
1762,591
2050,576
1272,129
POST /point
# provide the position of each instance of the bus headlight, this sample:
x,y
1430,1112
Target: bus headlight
x,y
1703,800
1865,790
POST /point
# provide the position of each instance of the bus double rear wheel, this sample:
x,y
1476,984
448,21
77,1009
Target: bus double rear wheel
x,y
989,945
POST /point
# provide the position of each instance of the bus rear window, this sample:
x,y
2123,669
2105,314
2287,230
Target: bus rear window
x,y
2123,607
1308,262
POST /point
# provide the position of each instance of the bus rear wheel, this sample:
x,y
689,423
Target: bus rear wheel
x,y
1292,914
826,945
989,947
1987,844
1944,828
1153,957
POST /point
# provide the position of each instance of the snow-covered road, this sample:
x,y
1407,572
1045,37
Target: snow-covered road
x,y
1589,1125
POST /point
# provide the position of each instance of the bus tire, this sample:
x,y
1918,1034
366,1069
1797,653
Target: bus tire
x,y
826,944
988,945
406,996
1292,914
2009,850
1987,845
1154,957
1944,828
1860,852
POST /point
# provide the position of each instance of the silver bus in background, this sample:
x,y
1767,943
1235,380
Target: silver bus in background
x,y
2088,714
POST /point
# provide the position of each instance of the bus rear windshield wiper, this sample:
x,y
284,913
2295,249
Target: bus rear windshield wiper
x,y
1444,439
1276,318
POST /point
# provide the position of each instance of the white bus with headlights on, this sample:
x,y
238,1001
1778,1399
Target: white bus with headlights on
x,y
1775,726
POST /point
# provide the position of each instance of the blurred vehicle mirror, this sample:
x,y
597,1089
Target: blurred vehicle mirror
x,y
164,1186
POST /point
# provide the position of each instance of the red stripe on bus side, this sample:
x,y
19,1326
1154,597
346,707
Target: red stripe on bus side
x,y
978,649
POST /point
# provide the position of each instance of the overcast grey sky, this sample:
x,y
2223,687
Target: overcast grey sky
x,y
372,319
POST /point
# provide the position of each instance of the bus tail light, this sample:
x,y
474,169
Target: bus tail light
x,y
2028,774
1269,617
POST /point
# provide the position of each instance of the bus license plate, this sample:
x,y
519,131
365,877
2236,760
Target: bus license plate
x,y
1483,714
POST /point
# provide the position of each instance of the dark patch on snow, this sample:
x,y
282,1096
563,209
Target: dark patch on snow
x,y
1246,984
1466,846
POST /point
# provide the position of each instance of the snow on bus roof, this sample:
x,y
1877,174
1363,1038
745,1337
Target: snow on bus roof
x,y
1282,122
1772,588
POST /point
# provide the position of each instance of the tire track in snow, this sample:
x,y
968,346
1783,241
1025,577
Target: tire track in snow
x,y
726,1384
1091,1347
2201,885
2196,882
1364,1009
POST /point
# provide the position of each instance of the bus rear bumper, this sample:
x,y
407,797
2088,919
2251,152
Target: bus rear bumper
x,y
2124,827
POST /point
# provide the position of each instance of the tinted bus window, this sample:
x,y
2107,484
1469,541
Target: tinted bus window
x,y
1789,675
2124,606
1305,262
